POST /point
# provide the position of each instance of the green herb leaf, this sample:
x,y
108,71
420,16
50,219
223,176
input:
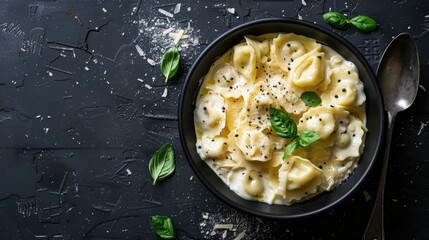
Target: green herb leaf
x,y
335,19
290,148
163,226
162,163
310,98
308,137
282,123
363,23
170,63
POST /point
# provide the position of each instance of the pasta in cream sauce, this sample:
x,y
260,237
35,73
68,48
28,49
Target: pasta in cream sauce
x,y
234,133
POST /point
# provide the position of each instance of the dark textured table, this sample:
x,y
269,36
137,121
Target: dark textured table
x,y
82,109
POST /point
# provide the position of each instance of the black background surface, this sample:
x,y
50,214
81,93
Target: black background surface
x,y
78,122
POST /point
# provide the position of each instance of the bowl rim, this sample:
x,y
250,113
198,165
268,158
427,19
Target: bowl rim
x,y
381,115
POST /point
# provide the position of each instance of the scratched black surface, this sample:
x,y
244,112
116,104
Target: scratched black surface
x,y
79,123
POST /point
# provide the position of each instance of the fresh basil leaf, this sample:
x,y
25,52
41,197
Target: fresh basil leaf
x,y
290,148
282,123
335,19
162,163
310,98
308,137
170,63
363,23
163,227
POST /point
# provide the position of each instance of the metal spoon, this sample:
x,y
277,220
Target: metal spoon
x,y
398,74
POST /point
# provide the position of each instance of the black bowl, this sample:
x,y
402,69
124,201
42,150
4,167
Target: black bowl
x,y
374,112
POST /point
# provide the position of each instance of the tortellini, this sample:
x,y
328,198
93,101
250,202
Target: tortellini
x,y
224,79
209,114
232,121
299,178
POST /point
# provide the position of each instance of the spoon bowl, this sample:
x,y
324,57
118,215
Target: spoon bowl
x,y
397,73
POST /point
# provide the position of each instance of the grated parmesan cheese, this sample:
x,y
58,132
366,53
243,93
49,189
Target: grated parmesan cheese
x,y
177,8
240,235
303,2
422,125
167,31
139,50
223,226
151,62
367,196
422,87
177,36
168,14
164,94
231,10
224,234
205,215
139,79
147,86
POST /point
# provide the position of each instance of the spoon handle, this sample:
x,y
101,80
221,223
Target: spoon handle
x,y
375,228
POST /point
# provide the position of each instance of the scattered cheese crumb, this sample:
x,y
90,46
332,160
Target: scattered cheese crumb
x,y
224,226
139,79
224,234
164,94
303,2
168,14
189,9
422,87
177,36
192,177
129,171
240,235
139,50
46,130
104,10
299,17
205,215
167,31
177,8
422,125
147,86
231,10
86,68
151,62
367,196
50,73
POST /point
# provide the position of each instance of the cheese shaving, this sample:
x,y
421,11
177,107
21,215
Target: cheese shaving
x,y
240,235
168,14
224,226
164,94
177,8
139,79
167,31
422,87
422,125
147,86
367,196
303,2
231,10
178,36
151,62
139,50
